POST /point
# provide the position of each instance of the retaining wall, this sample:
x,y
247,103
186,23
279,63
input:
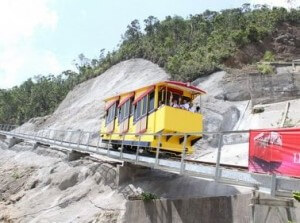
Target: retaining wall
x,y
193,210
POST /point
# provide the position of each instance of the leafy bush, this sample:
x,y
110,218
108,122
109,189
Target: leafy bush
x,y
296,195
265,68
269,56
148,196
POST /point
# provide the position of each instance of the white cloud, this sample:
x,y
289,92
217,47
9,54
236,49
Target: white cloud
x,y
280,3
19,58
20,18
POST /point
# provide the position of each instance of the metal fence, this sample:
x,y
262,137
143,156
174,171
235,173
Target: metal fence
x,y
211,158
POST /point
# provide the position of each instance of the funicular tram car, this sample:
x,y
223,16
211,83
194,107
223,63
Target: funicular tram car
x,y
150,109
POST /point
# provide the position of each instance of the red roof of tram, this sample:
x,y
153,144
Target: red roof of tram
x,y
186,85
179,84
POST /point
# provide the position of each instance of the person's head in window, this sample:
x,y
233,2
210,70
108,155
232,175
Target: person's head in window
x,y
175,103
190,106
179,100
160,103
185,105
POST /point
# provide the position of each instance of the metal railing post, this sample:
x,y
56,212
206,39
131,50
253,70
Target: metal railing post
x,y
35,135
109,142
217,172
183,154
98,142
53,136
273,185
137,149
88,141
50,137
61,140
70,139
79,138
122,147
49,134
157,150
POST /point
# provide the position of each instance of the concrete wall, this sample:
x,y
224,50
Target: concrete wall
x,y
2,137
271,88
199,210
241,208
173,186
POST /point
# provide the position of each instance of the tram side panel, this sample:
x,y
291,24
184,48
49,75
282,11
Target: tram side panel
x,y
174,120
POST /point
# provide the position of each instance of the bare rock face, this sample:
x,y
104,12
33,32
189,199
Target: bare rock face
x,y
230,118
281,86
69,181
39,188
235,88
83,107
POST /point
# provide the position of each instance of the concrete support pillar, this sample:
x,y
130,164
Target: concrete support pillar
x,y
2,137
35,145
75,155
13,141
130,172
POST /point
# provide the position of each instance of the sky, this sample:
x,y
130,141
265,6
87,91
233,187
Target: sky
x,y
45,36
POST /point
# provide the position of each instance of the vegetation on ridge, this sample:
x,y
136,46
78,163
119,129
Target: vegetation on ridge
x,y
186,48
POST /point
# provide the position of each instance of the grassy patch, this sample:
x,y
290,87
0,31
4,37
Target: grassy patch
x,y
16,175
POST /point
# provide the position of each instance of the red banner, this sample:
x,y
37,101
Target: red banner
x,y
275,151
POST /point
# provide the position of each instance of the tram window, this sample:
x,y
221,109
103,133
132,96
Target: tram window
x,y
131,109
127,109
134,108
120,118
119,114
141,108
111,113
138,110
106,118
151,101
161,96
144,101
124,111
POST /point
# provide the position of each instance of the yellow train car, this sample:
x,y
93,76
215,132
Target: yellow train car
x,y
164,107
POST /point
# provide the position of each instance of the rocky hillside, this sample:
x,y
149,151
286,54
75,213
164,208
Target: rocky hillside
x,y
284,42
38,185
29,177
228,96
83,108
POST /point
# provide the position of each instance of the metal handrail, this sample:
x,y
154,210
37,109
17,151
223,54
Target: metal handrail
x,y
64,138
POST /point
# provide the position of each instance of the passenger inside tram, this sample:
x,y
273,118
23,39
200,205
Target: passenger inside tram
x,y
174,100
